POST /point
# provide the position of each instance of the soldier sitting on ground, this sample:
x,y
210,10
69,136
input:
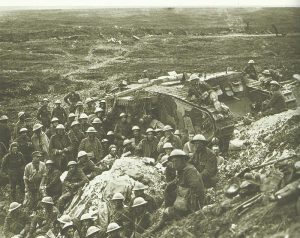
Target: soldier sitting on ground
x,y
87,166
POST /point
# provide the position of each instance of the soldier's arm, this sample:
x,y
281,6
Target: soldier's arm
x,y
83,178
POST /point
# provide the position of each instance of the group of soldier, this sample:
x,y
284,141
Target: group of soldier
x,y
48,163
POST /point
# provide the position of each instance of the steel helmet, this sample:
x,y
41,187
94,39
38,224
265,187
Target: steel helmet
x,y
41,237
266,71
110,133
164,159
48,200
79,103
91,130
168,145
81,154
251,62
88,100
199,137
72,162
57,102
13,206
49,161
21,114
37,126
102,101
72,115
296,76
83,116
54,119
112,146
136,128
104,140
127,142
23,129
60,127
86,216
273,82
215,141
92,230
149,130
45,99
167,128
177,132
74,123
158,130
112,227
98,109
122,115
36,153
139,186
67,225
118,196
96,121
178,153
3,118
139,201
65,219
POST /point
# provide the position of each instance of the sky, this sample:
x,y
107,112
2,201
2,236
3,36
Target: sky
x,y
146,3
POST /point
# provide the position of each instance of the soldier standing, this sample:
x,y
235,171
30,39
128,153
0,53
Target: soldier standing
x,y
44,114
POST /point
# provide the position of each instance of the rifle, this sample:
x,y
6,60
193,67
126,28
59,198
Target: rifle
x,y
247,170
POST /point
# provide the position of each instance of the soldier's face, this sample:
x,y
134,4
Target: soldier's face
x,y
123,119
167,133
14,149
60,132
55,123
191,136
113,151
70,232
91,135
48,167
72,168
36,162
150,135
45,103
136,132
178,163
168,151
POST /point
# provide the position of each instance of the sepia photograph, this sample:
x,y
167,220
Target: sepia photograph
x,y
149,119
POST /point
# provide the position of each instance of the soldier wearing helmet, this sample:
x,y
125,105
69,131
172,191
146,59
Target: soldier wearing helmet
x,y
13,164
5,132
73,182
59,112
44,114
128,148
71,118
123,127
137,135
109,159
148,146
250,70
40,140
21,123
114,231
167,147
25,145
83,120
87,166
17,220
76,136
97,124
90,106
60,148
51,184
169,137
276,103
71,99
44,218
92,145
51,131
205,161
86,221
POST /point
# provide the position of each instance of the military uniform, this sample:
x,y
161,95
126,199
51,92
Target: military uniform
x,y
60,113
140,222
251,72
51,184
19,125
57,146
89,168
51,131
75,137
123,129
93,147
147,148
14,165
71,99
173,139
206,163
16,222
25,147
44,116
41,143
5,134
276,104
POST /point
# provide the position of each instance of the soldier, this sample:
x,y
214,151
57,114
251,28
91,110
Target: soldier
x,y
59,112
44,218
118,212
168,147
169,137
83,120
71,118
71,99
20,124
265,78
102,104
148,146
108,160
110,137
76,136
92,145
205,161
137,135
90,106
60,148
33,175
87,166
188,187
79,109
123,127
94,232
159,133
139,191
13,164
5,133
170,171
276,104
44,114
17,220
40,140
128,148
189,148
69,231
250,70
86,221
105,147
114,231
52,129
97,124
73,182
51,184
141,218
25,145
